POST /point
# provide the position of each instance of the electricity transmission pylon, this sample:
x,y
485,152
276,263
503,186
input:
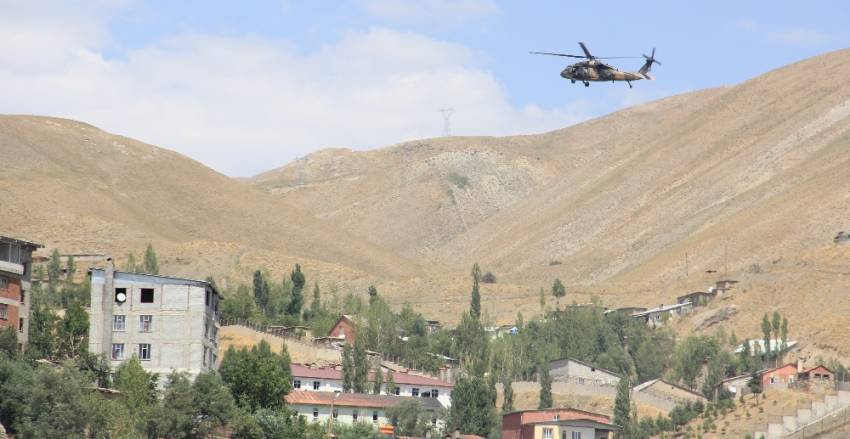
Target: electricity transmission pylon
x,y
447,114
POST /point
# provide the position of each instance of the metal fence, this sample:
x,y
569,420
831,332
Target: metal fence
x,y
823,425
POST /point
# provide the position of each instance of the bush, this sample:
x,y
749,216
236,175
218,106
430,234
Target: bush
x,y
488,278
461,181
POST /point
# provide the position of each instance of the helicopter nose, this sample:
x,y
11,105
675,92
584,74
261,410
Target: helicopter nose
x,y
565,73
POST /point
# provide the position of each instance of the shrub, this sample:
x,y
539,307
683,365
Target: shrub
x,y
488,278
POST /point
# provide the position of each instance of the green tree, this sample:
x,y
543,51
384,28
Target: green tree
x,y
347,368
410,419
130,266
138,388
558,290
212,403
175,418
776,324
373,295
239,305
54,271
390,386
765,329
507,395
9,341
622,405
73,331
316,304
472,409
297,300
151,264
361,367
545,387
377,381
70,269
261,291
784,333
475,301
542,299
257,378
42,336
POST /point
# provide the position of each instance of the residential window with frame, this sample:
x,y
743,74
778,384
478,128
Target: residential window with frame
x,y
144,351
355,414
23,297
317,385
4,282
335,413
414,392
4,311
374,416
296,384
119,322
117,351
21,324
435,393
315,413
576,435
547,433
145,323
397,390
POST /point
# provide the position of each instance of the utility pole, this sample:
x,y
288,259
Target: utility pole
x,y
725,259
447,114
686,264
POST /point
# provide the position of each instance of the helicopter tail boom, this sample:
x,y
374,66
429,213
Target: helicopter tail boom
x,y
644,70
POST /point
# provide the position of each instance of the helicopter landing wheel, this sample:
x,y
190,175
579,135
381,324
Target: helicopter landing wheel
x,y
586,84
573,81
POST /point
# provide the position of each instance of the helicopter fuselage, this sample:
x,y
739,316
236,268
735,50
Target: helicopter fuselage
x,y
598,72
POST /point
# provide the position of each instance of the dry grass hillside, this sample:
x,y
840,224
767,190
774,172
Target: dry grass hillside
x,y
752,178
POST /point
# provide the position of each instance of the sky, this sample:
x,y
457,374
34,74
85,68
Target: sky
x,y
245,87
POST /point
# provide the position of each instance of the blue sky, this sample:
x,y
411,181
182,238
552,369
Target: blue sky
x,y
244,87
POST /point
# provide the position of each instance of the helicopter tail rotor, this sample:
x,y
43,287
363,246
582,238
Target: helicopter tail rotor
x,y
648,64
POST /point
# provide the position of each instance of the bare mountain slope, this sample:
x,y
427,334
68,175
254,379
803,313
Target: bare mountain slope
x,y
72,186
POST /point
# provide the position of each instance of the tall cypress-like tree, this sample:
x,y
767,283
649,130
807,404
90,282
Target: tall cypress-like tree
x,y
507,394
70,269
776,324
373,295
475,300
261,290
622,407
151,262
545,387
54,271
297,300
130,266
784,333
377,381
472,409
316,305
347,369
390,386
361,368
765,329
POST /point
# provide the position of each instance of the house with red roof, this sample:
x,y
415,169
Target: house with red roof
x,y
535,424
343,329
312,378
779,377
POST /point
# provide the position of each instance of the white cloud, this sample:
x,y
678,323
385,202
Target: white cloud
x,y
445,11
791,36
245,105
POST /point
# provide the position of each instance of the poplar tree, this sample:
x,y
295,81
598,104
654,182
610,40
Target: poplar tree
x,y
777,326
261,290
151,263
130,266
297,301
377,381
545,387
316,305
54,270
784,332
373,295
558,290
622,406
347,368
507,394
361,368
390,386
475,302
70,269
765,329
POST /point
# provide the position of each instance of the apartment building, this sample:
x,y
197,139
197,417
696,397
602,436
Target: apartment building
x,y
15,276
169,323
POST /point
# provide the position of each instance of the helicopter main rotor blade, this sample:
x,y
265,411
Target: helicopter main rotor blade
x,y
556,54
615,57
586,52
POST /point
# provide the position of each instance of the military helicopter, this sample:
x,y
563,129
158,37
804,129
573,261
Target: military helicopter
x,y
595,70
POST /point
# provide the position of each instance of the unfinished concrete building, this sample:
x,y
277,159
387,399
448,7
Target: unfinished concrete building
x,y
15,275
169,323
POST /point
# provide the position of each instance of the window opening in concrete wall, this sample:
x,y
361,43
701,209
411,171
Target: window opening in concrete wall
x,y
147,295
316,385
4,282
119,323
117,351
296,384
315,413
355,414
120,295
145,351
374,416
21,324
145,323
4,311
415,392
23,297
435,393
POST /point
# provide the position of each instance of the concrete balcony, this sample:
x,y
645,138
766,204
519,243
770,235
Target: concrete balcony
x,y
11,267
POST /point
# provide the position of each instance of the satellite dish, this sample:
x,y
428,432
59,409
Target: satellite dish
x,y
121,297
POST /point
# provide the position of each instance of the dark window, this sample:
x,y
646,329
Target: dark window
x,y
4,311
316,385
415,392
355,414
296,384
23,297
375,416
120,295
315,413
397,390
336,413
147,295
4,282
207,300
145,351
426,394
21,324
435,393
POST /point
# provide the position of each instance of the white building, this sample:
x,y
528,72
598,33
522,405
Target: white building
x,y
581,373
348,408
169,323
329,379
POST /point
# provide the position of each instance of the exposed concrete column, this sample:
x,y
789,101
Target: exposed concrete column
x,y
106,303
